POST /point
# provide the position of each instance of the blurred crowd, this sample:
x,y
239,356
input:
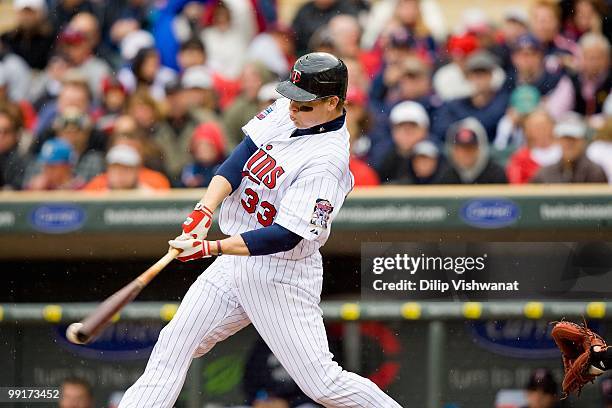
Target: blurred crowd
x,y
136,94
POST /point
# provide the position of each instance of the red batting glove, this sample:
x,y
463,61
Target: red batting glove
x,y
191,248
198,222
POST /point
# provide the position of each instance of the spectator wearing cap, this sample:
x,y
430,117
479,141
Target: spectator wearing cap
x,y
246,105
545,23
33,37
13,162
114,101
540,149
144,72
450,81
198,93
75,127
593,80
542,390
468,155
267,95
426,165
314,14
600,150
126,131
79,49
487,102
55,168
528,68
124,171
475,21
134,41
88,24
274,49
410,125
574,166
208,152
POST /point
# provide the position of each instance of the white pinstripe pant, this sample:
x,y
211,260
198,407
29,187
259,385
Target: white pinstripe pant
x,y
280,297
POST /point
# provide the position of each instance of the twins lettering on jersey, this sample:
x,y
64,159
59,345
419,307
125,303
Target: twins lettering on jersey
x,y
261,168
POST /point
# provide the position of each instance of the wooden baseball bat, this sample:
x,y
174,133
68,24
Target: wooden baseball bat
x,y
91,326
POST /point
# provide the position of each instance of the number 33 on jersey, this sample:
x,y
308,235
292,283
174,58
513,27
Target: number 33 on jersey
x,y
297,181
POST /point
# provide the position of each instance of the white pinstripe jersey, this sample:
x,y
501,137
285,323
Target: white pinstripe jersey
x,y
298,182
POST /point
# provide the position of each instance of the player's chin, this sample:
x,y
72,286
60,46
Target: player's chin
x,y
299,124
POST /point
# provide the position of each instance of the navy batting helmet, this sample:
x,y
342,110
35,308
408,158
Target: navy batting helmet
x,y
315,76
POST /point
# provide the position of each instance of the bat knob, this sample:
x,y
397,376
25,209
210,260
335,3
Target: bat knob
x,y
73,335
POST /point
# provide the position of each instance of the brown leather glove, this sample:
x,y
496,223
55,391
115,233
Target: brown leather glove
x,y
576,343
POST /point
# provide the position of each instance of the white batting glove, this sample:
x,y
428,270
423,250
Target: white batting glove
x,y
198,222
190,248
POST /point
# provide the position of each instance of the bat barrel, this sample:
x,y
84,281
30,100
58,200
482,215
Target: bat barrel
x,y
102,316
86,330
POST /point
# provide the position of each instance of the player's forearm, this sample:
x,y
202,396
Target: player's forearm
x,y
262,241
233,245
217,190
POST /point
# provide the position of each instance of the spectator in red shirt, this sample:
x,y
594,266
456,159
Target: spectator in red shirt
x,y
540,150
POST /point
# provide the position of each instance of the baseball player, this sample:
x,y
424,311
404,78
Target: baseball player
x,y
279,193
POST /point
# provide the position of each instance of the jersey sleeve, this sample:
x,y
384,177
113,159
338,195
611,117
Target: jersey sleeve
x,y
310,205
258,128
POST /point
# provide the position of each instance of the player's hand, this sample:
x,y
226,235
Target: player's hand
x,y
198,222
190,248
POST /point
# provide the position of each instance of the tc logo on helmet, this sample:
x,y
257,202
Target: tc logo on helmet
x,y
295,76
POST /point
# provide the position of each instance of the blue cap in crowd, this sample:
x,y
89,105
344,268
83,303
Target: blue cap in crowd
x,y
56,151
527,41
